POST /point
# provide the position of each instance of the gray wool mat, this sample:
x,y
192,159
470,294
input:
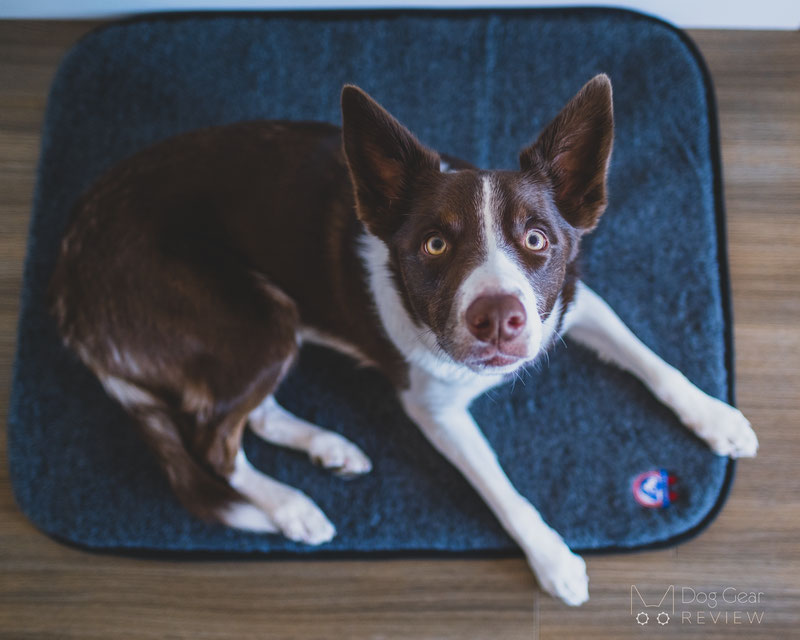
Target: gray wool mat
x,y
572,434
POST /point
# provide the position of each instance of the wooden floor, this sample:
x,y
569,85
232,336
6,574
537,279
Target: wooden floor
x,y
50,591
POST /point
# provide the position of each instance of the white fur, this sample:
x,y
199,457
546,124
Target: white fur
x,y
286,509
593,323
243,515
550,324
440,410
127,394
274,424
124,360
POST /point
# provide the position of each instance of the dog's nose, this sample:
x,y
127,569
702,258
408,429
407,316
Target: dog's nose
x,y
497,318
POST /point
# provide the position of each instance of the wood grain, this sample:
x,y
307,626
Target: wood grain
x,y
48,590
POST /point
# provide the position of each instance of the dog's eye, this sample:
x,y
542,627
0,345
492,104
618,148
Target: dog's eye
x,y
535,240
435,245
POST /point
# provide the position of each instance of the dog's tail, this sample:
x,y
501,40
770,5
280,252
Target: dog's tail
x,y
204,491
200,490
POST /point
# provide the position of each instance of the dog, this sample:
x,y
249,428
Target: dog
x,y
191,273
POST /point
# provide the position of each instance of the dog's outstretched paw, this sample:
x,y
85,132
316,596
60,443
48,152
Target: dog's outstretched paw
x,y
299,519
563,575
332,451
726,430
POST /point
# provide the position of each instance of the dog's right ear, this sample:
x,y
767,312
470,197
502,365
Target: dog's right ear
x,y
384,159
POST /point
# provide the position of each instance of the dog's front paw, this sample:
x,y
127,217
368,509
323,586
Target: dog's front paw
x,y
299,519
725,429
338,454
562,574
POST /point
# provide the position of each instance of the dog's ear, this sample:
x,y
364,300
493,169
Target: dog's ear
x,y
384,159
573,152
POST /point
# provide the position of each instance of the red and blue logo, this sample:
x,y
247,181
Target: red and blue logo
x,y
654,489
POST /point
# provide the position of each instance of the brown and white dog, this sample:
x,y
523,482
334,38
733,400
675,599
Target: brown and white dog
x,y
192,272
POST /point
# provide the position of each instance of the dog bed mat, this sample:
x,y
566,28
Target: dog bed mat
x,y
572,433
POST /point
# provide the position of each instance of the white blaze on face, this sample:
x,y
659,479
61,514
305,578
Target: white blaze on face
x,y
499,273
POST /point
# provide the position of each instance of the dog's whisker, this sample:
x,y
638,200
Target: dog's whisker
x,y
560,338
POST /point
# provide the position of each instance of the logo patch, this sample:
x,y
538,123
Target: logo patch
x,y
654,489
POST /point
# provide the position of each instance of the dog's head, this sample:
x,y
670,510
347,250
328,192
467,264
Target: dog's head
x,y
479,258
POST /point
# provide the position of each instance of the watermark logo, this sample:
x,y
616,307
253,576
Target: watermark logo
x,y
662,608
727,605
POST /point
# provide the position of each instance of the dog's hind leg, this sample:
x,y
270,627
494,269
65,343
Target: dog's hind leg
x,y
591,322
247,372
224,346
291,512
274,424
212,477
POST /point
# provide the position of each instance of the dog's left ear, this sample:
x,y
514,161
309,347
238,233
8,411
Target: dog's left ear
x,y
573,152
384,159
